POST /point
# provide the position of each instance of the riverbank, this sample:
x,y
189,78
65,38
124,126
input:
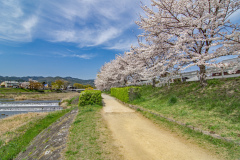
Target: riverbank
x,y
214,109
9,125
18,130
50,143
25,134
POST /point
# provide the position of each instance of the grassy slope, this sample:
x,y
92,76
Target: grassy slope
x,y
26,133
89,138
215,108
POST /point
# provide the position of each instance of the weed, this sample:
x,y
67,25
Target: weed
x,y
77,121
172,100
1,142
71,152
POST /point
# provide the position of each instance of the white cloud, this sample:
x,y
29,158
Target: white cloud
x,y
30,23
86,37
105,35
15,25
84,22
81,56
64,36
61,54
123,45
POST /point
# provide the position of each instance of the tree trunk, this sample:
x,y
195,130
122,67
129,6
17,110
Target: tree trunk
x,y
153,82
222,72
203,76
125,82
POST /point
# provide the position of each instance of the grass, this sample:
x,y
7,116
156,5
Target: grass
x,y
107,92
10,124
69,101
215,108
88,137
15,90
26,133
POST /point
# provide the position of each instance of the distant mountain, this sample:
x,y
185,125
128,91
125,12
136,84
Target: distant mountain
x,y
48,80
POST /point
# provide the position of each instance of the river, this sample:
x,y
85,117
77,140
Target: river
x,y
10,107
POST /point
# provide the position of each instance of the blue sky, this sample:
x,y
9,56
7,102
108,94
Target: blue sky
x,y
64,37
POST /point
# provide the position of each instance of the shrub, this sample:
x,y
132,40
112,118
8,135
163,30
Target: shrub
x,y
172,100
90,97
126,94
89,88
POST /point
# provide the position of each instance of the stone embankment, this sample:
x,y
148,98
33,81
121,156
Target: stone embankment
x,y
50,143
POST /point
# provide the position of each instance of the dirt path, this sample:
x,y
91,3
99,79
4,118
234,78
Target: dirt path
x,y
139,139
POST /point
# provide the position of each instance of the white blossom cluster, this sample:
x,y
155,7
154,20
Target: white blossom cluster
x,y
177,35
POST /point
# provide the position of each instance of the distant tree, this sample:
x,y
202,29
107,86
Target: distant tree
x,y
54,85
88,86
78,85
35,85
59,84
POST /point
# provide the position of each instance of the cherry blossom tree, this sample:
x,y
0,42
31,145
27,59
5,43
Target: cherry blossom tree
x,y
177,35
192,29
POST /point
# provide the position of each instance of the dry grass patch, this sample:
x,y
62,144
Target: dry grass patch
x,y
9,125
47,96
21,97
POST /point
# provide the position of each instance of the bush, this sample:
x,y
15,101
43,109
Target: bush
x,y
126,94
172,100
90,97
89,88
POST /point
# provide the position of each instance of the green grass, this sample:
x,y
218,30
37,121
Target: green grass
x,y
19,143
215,108
14,90
69,101
107,92
87,137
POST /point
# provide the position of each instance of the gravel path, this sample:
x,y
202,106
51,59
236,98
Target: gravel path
x,y
140,139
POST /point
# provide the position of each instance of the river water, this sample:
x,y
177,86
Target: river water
x,y
9,107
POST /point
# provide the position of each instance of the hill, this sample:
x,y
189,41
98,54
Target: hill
x,y
48,80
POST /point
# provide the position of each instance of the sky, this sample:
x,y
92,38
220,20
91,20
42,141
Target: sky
x,y
66,37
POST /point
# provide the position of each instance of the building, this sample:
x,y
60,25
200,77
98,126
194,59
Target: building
x,y
10,84
232,71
